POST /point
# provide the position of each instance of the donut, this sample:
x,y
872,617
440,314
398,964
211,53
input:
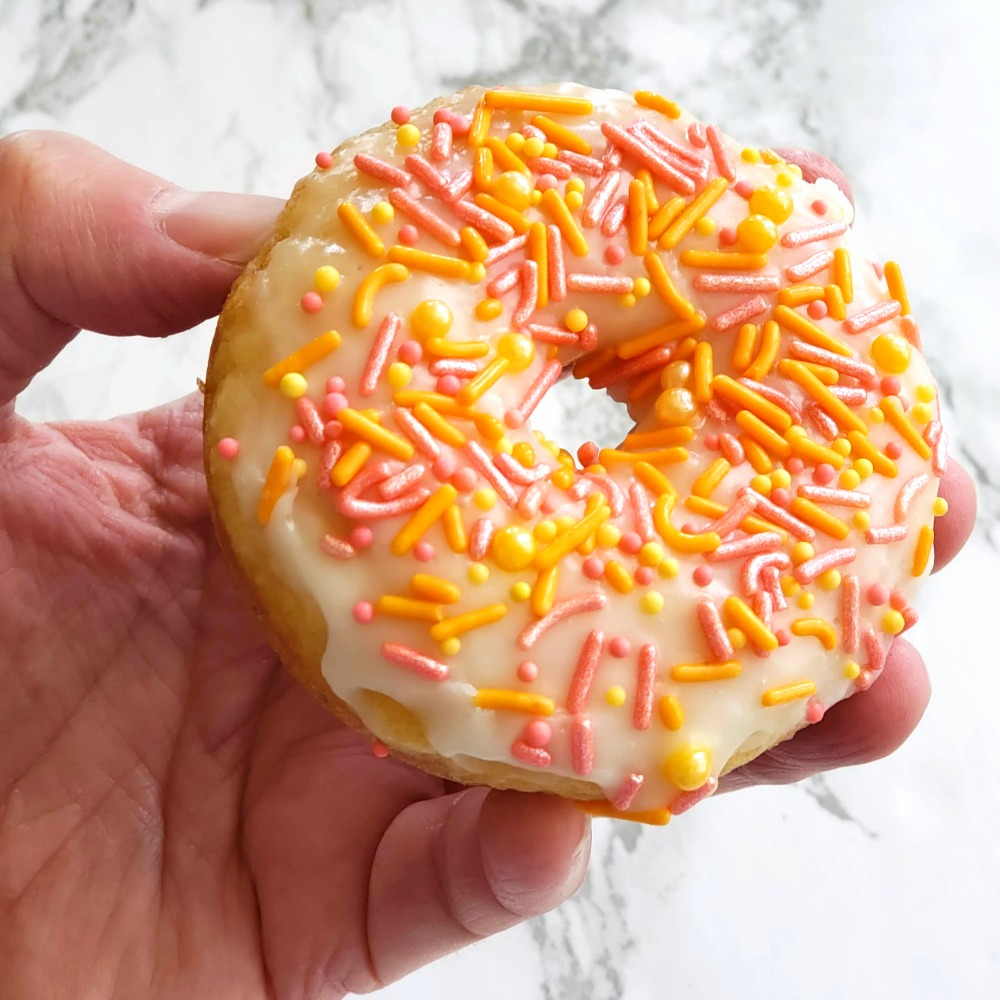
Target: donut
x,y
623,625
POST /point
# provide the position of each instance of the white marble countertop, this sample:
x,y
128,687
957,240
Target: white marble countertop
x,y
882,881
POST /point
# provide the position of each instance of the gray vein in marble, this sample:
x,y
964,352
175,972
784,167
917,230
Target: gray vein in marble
x,y
819,790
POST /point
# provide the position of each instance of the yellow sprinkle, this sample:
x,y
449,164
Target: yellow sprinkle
x,y
737,638
689,768
651,602
671,712
293,385
801,551
618,576
516,141
563,478
576,320
682,225
775,204
615,696
894,279
830,580
468,621
408,607
513,548
522,100
756,234
922,555
786,693
434,588
450,647
891,353
422,518
660,280
806,600
533,147
922,413
705,226
893,622
790,586
356,224
842,273
398,375
651,554
485,498
408,135
574,200
350,463
382,212
818,627
565,544
368,430
704,485
562,136
520,591
301,359
851,670
669,568
762,484
743,616
553,204
278,477
940,506
862,520
326,278
750,155
545,531
478,572
514,701
364,298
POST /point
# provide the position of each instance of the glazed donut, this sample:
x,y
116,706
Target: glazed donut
x,y
623,626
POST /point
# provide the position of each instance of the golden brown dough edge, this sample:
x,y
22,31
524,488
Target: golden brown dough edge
x,y
296,629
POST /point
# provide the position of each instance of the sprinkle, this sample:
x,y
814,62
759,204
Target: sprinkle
x,y
582,745
657,102
511,216
553,204
787,692
700,673
807,571
581,603
723,161
441,142
863,372
405,656
378,436
810,266
750,623
906,494
740,313
650,158
309,418
751,399
887,535
564,544
481,462
301,359
665,288
601,197
724,261
873,647
839,411
894,279
428,219
813,234
416,433
678,540
585,671
364,298
894,415
809,331
922,555
480,127
522,750
605,283
697,208
737,282
468,621
874,316
513,701
711,624
381,170
530,288
693,164
279,476
433,263
423,518
358,226
337,547
489,225
521,100
758,544
408,607
331,454
842,273
228,448
402,482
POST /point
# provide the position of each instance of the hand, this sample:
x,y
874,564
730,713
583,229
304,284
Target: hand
x,y
177,818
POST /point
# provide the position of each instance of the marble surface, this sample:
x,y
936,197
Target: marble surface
x,y
873,882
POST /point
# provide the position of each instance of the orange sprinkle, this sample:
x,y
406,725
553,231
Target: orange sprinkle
x,y
724,261
434,263
806,510
743,349
862,447
786,693
697,673
511,216
543,594
661,281
638,217
894,415
537,250
657,102
301,359
375,435
751,524
745,397
481,119
703,368
513,701
364,298
468,621
662,456
552,203
605,810
591,364
842,273
436,400
698,207
665,215
618,576
279,475
707,541
650,476
665,334
482,169
711,477
826,374
671,712
739,611
422,518
644,386
837,408
817,627
504,157
434,588
812,451
442,348
454,529
922,555
360,229
756,455
562,136
769,439
350,463
473,243
767,353
809,331
438,426
408,607
834,298
523,100
482,381
564,544
665,438
799,295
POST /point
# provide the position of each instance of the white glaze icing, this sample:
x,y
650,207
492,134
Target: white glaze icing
x,y
724,716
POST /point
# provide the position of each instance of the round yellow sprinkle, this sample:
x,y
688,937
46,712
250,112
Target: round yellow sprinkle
x,y
849,480
513,189
615,696
705,225
545,531
749,155
801,551
516,141
575,184
517,349
781,479
863,467
478,572
608,536
450,646
576,320
503,445
790,586
891,353
408,135
627,301
562,479
925,393
533,147
876,415
484,499
784,179
299,468
851,670
651,554
757,233
795,169
382,212
398,375
669,568
431,318
762,484
940,507
806,600
477,271
551,150
675,374
513,548
830,580
574,200
524,453
841,446
775,204
862,520
326,278
487,309
520,591
737,638
651,602
641,287
922,412
293,385
893,622
689,768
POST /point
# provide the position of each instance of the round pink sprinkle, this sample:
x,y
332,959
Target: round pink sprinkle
x,y
335,384
448,385
614,254
630,543
312,302
781,496
897,600
332,429
727,236
549,504
444,467
410,352
894,449
879,270
546,181
712,442
890,386
464,479
878,594
743,188
297,433
824,474
400,114
619,647
588,453
361,536
593,568
334,402
537,733
423,551
819,206
702,576
513,418
864,680
229,447
783,636
644,576
379,749
323,159
527,671
363,612
814,711
688,528
408,234
795,465
817,309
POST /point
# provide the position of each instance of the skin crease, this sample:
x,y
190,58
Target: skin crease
x,y
177,818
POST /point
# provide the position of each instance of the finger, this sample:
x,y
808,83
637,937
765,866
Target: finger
x,y
866,727
87,241
452,870
952,530
814,166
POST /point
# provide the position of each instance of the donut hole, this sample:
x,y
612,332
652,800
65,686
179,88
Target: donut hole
x,y
393,722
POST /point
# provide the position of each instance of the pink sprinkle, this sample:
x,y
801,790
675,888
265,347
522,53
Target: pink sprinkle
x,y
441,137
817,309
546,181
715,632
601,197
696,135
819,206
702,576
581,736
464,479
765,541
479,540
712,442
593,568
887,535
824,474
743,312
630,543
850,612
897,600
579,604
813,234
783,636
331,453
363,612
878,594
460,124
513,418
425,666
894,449
684,802
444,467
530,755
795,465
379,354
423,551
379,169
448,385
323,160
814,711
727,236
781,496
537,733
744,189
872,317
614,218
408,234
337,547
650,157
582,164
410,352
810,266
626,792
527,671
723,161
588,453
335,384
890,385
400,114
738,282
361,536
644,576
619,647
806,572
379,749
334,403
297,433
585,671
312,302
312,424
228,448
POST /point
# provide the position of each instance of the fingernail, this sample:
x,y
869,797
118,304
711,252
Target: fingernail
x,y
229,227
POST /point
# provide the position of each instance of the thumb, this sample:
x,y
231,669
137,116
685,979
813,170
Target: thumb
x,y
87,241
